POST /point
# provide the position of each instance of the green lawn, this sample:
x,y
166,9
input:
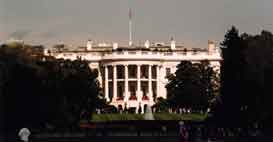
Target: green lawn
x,y
157,116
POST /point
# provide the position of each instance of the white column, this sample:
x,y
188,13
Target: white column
x,y
126,82
157,82
114,82
106,87
138,81
142,108
150,83
137,109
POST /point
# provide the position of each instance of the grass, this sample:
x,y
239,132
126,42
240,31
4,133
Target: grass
x,y
115,117
157,116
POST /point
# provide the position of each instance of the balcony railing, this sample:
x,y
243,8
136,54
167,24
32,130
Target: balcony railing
x,y
132,97
145,97
180,55
188,53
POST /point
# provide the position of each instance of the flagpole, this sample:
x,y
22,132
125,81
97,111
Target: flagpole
x,y
130,28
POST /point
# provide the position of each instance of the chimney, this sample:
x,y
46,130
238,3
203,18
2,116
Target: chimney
x,y
115,45
45,51
89,44
147,44
172,43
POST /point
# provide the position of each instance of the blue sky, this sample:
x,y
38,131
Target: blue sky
x,y
191,22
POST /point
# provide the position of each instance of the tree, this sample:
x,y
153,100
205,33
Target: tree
x,y
161,105
246,79
257,79
232,61
22,104
191,86
37,90
75,89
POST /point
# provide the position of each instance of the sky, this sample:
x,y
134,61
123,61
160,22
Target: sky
x,y
191,22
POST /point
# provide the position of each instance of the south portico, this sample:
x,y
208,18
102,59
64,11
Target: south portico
x,y
131,84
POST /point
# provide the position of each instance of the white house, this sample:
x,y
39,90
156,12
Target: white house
x,y
135,76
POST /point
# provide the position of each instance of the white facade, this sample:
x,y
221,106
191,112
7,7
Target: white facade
x,y
136,76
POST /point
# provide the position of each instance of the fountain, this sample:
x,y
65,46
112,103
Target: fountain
x,y
24,134
148,115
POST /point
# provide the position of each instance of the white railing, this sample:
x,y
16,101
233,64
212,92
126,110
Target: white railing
x,y
161,55
141,55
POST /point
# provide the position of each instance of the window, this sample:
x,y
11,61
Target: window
x,y
168,54
144,70
120,89
132,71
120,72
132,53
132,89
154,72
144,53
144,87
110,72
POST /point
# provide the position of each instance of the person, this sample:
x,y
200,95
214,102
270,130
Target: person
x,y
211,132
219,133
198,135
180,111
255,130
139,110
183,133
98,111
24,133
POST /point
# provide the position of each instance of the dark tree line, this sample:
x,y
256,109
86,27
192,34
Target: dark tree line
x,y
246,79
245,83
38,91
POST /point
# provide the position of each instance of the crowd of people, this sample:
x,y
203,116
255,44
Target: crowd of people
x,y
190,133
153,109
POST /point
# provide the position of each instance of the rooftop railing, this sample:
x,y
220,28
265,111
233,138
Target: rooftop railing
x,y
189,53
139,54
